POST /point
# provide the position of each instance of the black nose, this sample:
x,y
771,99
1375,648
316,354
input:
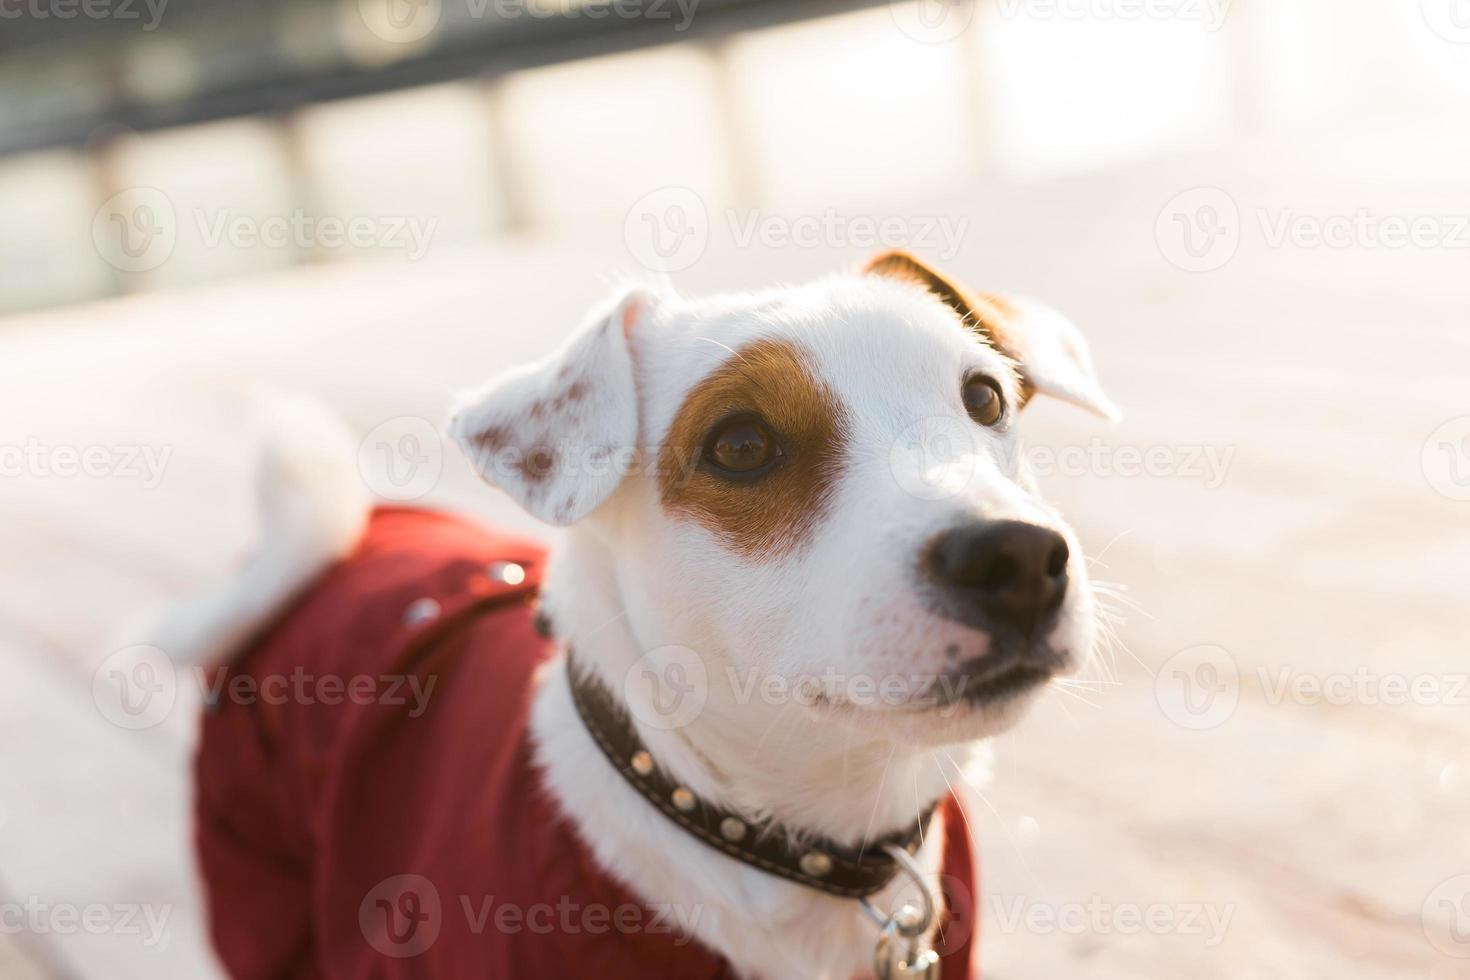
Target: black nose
x,y
1015,572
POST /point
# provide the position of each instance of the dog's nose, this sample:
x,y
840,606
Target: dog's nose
x,y
1015,572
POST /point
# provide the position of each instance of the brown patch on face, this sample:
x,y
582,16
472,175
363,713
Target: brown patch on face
x,y
776,513
993,317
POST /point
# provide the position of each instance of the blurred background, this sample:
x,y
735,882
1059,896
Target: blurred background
x,y
1258,211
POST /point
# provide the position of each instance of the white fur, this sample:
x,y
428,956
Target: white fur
x,y
312,510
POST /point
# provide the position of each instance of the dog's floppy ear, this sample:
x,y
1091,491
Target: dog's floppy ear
x,y
558,435
1048,349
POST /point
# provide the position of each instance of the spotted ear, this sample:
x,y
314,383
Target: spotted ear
x,y
558,435
1049,350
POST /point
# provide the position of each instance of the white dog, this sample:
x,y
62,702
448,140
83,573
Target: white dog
x,y
803,556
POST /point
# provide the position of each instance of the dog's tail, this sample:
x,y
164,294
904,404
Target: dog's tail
x,y
312,508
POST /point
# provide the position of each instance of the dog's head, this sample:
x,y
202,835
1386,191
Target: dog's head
x,y
822,485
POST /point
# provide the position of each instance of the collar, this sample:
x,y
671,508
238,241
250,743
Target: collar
x,y
815,862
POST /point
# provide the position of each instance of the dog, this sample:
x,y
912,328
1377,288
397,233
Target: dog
x,y
805,574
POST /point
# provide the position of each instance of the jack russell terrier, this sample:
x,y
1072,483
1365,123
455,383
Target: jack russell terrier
x,y
714,733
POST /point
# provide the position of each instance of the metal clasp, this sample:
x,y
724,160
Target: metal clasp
x,y
903,949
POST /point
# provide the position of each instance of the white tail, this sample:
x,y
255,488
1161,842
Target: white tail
x,y
313,509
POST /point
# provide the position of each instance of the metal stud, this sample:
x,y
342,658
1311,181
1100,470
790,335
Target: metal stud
x,y
683,799
732,829
421,611
506,571
642,763
815,864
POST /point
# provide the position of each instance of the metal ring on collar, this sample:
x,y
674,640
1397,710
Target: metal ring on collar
x,y
910,867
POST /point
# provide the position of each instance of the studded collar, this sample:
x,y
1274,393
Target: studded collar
x,y
817,863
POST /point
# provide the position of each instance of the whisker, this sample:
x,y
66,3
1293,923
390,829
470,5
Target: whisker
x,y
1004,827
1108,621
878,798
1097,559
711,340
918,808
969,832
1118,592
1093,687
1074,695
745,367
963,815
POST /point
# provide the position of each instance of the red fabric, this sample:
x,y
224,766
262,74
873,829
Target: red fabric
x,y
351,840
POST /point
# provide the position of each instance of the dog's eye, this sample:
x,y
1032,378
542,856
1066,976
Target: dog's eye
x,y
742,446
983,400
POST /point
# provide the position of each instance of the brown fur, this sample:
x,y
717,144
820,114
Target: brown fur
x,y
993,317
776,514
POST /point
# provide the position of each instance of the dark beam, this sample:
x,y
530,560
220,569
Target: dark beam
x,y
511,45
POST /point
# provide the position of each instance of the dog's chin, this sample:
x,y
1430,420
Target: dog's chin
x,y
958,708
971,697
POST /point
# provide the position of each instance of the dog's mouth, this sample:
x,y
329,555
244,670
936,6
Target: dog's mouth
x,y
983,685
1001,685
970,687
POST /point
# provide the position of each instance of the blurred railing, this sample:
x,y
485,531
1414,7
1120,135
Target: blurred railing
x,y
237,138
139,65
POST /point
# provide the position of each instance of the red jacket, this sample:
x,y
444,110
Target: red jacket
x,y
354,826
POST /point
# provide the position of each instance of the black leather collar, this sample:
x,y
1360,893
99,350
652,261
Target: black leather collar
x,y
816,863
